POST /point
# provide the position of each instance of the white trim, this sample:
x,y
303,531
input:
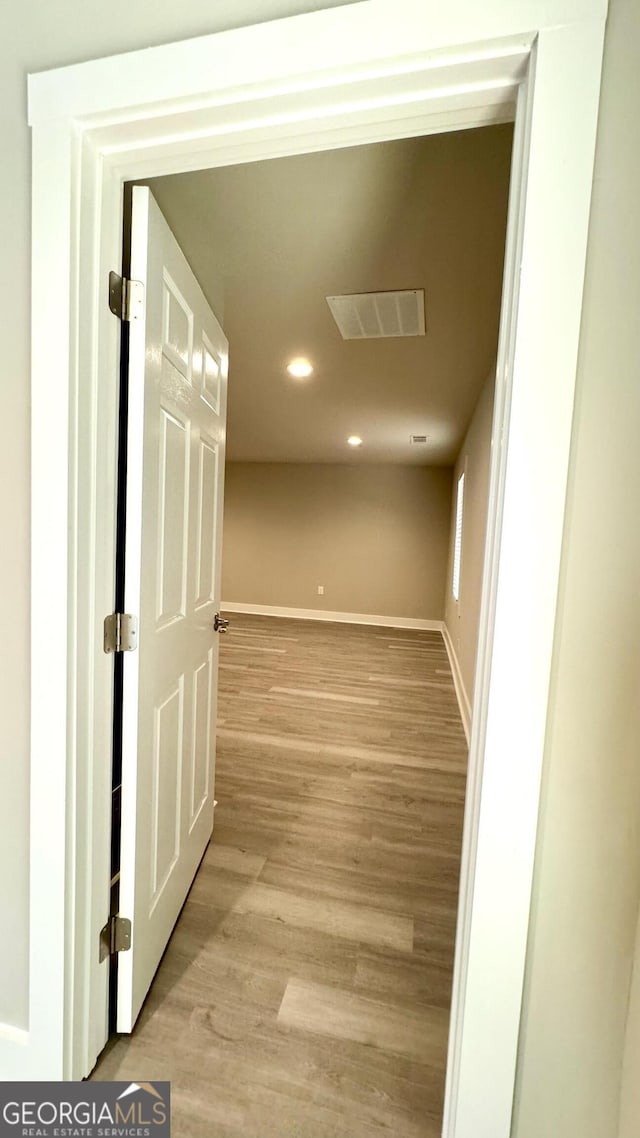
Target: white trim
x,y
464,702
334,617
497,479
383,69
182,70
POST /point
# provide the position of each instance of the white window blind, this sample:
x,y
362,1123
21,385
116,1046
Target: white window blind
x,y
457,549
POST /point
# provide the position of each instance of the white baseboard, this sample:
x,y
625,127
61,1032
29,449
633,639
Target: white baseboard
x,y
463,699
335,617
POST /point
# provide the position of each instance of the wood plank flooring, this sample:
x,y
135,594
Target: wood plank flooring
x,y
305,991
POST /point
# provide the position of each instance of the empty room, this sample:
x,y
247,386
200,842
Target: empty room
x,y
306,986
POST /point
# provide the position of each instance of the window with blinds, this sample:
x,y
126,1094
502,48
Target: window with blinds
x,y
457,549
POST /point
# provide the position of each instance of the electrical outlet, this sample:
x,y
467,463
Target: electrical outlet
x,y
320,590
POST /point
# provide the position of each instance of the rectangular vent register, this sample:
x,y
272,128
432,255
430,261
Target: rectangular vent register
x,y
378,315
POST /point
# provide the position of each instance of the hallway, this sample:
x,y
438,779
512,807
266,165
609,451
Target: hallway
x,y
305,990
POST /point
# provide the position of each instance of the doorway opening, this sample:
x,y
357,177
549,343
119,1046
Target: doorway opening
x,y
430,212
340,77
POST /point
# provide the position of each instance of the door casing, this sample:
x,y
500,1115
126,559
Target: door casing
x,y
371,71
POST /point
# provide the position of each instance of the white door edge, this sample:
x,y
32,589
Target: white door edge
x,y
71,376
177,400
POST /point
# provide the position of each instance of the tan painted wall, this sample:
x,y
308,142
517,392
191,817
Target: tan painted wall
x,y
376,537
462,618
34,37
587,877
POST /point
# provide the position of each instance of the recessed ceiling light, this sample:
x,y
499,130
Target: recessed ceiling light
x,y
299,368
354,441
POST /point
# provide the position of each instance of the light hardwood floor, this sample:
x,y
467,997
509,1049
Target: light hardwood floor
x,y
305,991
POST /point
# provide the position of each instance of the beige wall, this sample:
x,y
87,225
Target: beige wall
x,y
40,35
587,876
462,618
376,537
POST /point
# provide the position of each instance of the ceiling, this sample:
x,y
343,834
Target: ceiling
x,y
268,241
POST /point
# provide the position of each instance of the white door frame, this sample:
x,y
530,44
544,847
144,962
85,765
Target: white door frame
x,y
375,70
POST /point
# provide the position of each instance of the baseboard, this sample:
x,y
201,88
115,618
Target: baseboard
x,y
461,692
335,617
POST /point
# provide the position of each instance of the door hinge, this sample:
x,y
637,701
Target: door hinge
x,y
126,298
120,632
115,937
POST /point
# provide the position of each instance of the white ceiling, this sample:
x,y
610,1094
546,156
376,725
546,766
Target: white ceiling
x,y
269,241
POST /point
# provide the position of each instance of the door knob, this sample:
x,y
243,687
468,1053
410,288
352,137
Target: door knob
x,y
219,623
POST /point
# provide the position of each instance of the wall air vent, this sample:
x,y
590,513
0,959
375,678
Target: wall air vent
x,y
376,315
419,439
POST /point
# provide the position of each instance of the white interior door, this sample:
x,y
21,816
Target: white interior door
x,y
176,444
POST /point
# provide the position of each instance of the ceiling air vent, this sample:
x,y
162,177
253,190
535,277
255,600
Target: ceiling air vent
x,y
375,315
418,438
